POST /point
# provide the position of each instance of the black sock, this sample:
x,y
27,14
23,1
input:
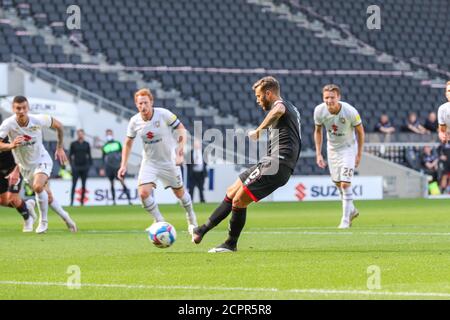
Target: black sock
x,y
23,210
237,223
221,212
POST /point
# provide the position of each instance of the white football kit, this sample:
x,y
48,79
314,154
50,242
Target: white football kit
x,y
31,155
444,115
158,156
341,144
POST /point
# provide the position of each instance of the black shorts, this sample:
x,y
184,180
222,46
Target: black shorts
x,y
5,187
258,184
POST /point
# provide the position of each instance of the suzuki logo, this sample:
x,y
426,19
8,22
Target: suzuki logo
x,y
26,137
300,191
150,135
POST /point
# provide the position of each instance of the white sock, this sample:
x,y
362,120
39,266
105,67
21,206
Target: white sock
x,y
59,210
42,202
151,206
186,202
347,204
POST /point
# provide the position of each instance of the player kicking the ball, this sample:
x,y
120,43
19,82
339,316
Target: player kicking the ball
x,y
444,117
163,137
272,171
35,164
341,121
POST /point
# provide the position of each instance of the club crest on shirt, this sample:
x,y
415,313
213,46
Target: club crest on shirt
x,y
342,120
157,124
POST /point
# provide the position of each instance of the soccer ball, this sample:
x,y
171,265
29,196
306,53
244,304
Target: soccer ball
x,y
162,234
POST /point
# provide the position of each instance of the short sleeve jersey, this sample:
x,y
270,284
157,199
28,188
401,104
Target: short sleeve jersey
x,y
340,126
32,151
156,135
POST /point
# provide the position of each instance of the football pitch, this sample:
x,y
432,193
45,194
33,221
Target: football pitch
x,y
396,249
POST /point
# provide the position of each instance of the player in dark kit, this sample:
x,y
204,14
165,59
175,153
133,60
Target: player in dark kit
x,y
10,181
271,172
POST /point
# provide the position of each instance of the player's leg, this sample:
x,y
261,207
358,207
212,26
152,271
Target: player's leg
x,y
25,209
9,197
186,202
75,176
38,183
241,200
56,206
172,178
146,183
346,171
221,212
148,202
347,205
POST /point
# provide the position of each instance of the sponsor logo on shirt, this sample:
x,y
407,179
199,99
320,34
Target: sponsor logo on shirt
x,y
28,140
334,131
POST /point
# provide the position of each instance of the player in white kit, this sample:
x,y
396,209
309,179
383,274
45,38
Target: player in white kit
x,y
444,117
341,122
163,137
35,164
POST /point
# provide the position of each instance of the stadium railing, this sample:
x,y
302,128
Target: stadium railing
x,y
80,93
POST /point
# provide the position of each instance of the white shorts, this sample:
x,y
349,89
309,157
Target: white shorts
x,y
170,176
342,164
29,173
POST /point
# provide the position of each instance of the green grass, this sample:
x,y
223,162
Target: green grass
x,y
285,247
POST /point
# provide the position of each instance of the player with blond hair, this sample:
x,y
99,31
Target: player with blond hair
x,y
344,150
164,138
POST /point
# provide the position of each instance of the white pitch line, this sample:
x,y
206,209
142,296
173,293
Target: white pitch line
x,y
280,232
337,233
276,290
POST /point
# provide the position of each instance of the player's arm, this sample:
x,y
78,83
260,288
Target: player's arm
x,y
60,154
181,138
274,114
318,141
127,146
10,146
360,134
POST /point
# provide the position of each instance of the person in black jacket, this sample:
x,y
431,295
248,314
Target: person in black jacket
x,y
197,171
112,157
80,161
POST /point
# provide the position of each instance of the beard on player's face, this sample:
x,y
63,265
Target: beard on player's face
x,y
266,104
